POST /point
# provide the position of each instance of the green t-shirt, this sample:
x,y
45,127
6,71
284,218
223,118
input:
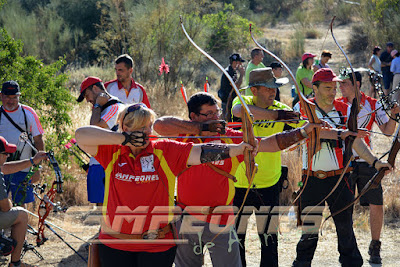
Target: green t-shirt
x,y
269,163
304,73
249,68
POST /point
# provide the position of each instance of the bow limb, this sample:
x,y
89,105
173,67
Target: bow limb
x,y
248,136
247,120
313,144
355,107
351,124
376,179
47,202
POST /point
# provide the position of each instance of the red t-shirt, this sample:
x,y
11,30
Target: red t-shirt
x,y
135,185
201,186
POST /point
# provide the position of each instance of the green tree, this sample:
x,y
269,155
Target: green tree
x,y
42,29
228,30
381,20
42,87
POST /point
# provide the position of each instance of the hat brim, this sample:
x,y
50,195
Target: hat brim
x,y
12,93
276,84
335,79
10,148
81,96
269,85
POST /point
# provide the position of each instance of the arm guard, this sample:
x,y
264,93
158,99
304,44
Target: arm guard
x,y
214,152
289,138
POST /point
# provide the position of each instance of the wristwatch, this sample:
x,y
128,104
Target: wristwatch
x,y
96,105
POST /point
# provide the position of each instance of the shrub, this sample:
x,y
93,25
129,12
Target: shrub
x,y
42,87
312,33
359,39
296,46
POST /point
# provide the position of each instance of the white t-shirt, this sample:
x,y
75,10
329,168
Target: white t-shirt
x,y
12,134
109,115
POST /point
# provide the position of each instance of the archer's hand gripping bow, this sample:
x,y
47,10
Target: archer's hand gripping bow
x,y
47,201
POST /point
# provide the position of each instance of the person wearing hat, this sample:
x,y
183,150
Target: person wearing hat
x,y
326,55
15,119
371,113
256,62
304,75
395,70
104,114
15,218
125,88
226,92
386,61
267,181
327,167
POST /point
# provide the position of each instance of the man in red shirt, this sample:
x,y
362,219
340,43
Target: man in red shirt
x,y
371,112
325,171
124,87
211,186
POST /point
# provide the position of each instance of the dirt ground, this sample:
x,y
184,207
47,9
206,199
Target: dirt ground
x,y
78,222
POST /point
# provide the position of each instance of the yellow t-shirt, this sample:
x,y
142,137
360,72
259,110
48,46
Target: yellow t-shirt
x,y
269,163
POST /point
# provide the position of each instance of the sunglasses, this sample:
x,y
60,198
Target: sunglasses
x,y
133,108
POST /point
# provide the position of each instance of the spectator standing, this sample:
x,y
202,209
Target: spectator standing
x,y
15,119
323,62
124,87
374,64
226,92
304,76
395,70
277,71
386,60
257,56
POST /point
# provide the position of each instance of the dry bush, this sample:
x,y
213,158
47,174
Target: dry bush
x,y
296,45
290,158
359,40
312,33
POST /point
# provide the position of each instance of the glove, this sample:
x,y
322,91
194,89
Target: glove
x,y
217,126
135,138
287,115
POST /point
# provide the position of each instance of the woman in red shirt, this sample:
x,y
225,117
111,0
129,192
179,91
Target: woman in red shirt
x,y
139,186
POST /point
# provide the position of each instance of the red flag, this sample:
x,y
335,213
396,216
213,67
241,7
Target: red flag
x,y
206,85
183,91
163,67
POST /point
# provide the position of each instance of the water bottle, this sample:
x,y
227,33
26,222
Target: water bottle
x,y
291,214
293,91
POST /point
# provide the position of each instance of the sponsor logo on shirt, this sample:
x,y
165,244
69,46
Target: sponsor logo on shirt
x,y
122,164
136,178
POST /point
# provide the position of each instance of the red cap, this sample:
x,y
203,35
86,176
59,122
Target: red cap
x,y
307,55
88,81
325,75
6,147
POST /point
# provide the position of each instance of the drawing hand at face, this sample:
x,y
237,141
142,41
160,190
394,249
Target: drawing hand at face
x,y
212,127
